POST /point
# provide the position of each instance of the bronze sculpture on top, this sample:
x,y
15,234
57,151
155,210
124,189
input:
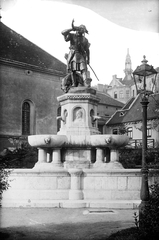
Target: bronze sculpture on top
x,y
77,59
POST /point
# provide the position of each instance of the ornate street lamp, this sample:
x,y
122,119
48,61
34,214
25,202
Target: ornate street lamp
x,y
140,75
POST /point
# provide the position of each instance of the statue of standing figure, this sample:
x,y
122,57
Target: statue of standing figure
x,y
78,57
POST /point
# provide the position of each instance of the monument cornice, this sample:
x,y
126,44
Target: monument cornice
x,y
79,96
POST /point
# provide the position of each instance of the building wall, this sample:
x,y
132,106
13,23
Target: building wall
x,y
120,93
135,132
18,85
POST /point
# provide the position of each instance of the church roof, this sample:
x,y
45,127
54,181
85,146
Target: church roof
x,y
18,50
107,100
133,112
127,82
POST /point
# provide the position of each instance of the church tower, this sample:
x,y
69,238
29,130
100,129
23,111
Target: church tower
x,y
128,68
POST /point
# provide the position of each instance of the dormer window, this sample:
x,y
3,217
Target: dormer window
x,y
121,114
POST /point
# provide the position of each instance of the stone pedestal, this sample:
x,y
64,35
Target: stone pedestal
x,y
75,192
78,108
114,160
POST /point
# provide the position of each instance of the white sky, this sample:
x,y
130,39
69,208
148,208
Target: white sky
x,y
41,22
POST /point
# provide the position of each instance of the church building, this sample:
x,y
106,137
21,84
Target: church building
x,y
119,88
30,81
124,89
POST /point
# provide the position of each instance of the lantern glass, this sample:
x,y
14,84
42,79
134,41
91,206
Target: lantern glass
x,y
144,75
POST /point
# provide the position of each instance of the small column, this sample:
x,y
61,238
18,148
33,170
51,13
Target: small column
x,y
99,158
75,192
49,158
114,160
56,158
42,155
114,155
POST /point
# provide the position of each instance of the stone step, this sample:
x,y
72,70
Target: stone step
x,y
93,204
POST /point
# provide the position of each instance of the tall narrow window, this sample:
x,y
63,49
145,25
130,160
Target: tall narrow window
x,y
149,131
115,95
26,118
133,93
127,93
121,94
130,132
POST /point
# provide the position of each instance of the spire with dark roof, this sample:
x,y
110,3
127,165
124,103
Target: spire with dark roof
x,y
128,71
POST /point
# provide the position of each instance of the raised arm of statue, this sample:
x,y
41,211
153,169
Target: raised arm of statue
x,y
66,34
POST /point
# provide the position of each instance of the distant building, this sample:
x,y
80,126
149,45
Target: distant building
x,y
119,88
130,118
123,89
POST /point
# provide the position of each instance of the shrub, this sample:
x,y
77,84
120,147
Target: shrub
x,y
4,182
132,158
23,156
148,225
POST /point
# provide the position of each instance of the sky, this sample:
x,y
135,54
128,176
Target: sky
x,y
42,22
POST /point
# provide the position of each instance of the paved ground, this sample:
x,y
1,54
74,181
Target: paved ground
x,y
59,223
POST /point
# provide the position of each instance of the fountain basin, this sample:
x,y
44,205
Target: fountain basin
x,y
58,141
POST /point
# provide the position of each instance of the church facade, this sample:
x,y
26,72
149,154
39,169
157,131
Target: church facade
x,y
29,86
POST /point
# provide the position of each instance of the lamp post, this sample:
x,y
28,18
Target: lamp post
x,y
140,76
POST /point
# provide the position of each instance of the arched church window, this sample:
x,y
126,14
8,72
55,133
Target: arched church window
x,y
28,118
25,118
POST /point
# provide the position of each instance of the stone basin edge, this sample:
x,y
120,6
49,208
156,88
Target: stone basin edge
x,y
58,141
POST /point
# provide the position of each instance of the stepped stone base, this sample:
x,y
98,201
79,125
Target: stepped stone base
x,y
100,204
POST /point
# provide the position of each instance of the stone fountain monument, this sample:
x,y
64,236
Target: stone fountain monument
x,y
78,145
78,166
79,139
